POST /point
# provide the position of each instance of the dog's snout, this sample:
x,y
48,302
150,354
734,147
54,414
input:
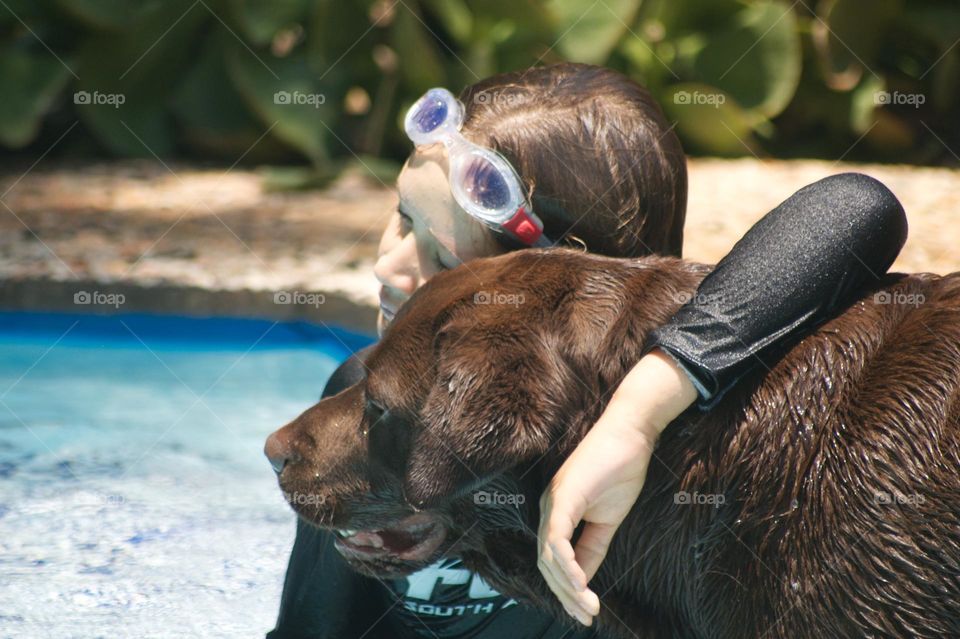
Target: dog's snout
x,y
278,450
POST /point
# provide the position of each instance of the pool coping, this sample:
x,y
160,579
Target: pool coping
x,y
44,294
151,330
197,241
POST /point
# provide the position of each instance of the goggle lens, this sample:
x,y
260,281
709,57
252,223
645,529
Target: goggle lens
x,y
485,185
431,114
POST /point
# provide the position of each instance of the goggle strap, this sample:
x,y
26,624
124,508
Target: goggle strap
x,y
543,242
523,227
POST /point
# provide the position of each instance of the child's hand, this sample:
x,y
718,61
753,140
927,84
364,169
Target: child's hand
x,y
602,478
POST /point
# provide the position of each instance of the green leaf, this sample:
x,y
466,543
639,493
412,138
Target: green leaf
x,y
507,35
652,62
127,78
709,120
333,31
420,64
848,36
285,94
259,20
863,104
212,113
535,19
941,24
946,81
682,17
29,11
455,17
756,59
588,31
29,83
296,178
100,14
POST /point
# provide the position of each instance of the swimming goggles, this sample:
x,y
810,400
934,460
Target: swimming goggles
x,y
482,181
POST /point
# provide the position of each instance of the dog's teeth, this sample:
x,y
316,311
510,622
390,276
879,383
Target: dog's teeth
x,y
347,533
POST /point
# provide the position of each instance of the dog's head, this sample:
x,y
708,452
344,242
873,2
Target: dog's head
x,y
470,401
409,461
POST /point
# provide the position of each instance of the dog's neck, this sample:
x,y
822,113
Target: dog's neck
x,y
596,369
599,360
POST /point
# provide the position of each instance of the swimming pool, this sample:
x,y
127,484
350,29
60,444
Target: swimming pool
x,y
134,497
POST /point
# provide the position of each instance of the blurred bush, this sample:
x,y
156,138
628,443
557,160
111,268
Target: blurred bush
x,y
271,80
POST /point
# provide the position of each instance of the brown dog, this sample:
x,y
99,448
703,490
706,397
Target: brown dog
x,y
818,499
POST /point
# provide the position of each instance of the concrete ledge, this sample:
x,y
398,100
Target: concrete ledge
x,y
207,241
190,241
44,294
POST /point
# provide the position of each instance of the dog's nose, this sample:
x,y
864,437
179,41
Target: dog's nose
x,y
278,450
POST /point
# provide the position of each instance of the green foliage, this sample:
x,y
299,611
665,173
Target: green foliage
x,y
30,83
328,80
130,86
591,35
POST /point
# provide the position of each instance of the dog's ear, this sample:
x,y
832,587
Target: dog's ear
x,y
494,403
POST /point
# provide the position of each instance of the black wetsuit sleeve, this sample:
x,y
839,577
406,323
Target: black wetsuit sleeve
x,y
796,267
322,597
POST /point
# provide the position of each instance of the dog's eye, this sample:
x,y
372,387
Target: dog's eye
x,y
387,434
374,410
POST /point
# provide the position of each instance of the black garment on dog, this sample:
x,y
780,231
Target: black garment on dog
x,y
799,265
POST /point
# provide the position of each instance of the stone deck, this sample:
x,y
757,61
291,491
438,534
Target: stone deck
x,y
208,241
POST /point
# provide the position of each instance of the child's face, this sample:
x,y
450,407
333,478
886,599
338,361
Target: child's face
x,y
428,233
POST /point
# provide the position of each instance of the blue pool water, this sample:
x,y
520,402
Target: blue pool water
x,y
134,497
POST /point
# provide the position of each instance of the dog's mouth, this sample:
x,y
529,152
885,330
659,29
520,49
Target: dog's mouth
x,y
413,538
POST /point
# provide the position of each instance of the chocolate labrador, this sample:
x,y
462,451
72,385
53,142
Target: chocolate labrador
x,y
820,498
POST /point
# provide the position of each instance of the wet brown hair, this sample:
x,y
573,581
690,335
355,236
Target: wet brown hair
x,y
602,166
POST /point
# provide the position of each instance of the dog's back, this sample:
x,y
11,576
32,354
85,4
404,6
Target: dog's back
x,y
821,497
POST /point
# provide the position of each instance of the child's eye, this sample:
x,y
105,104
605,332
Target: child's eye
x,y
405,220
448,262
